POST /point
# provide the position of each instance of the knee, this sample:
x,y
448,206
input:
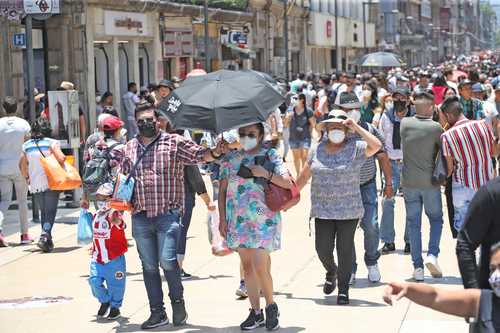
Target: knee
x,y
261,269
94,281
248,266
169,264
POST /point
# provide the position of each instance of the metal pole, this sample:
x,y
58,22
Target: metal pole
x,y
336,37
285,36
364,26
207,58
31,66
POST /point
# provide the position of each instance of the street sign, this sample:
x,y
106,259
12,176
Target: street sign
x,y
19,40
41,6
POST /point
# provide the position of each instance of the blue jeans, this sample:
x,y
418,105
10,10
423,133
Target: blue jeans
x,y
114,274
157,240
387,233
48,201
430,199
189,202
369,224
462,196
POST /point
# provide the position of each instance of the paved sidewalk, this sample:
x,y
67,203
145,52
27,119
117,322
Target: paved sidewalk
x,y
210,299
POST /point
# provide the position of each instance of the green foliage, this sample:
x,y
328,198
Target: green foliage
x,y
223,4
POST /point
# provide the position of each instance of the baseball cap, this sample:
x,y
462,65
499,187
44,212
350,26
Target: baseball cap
x,y
112,123
464,83
404,91
348,100
477,87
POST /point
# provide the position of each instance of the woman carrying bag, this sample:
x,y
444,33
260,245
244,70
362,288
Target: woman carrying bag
x,y
249,226
336,204
31,167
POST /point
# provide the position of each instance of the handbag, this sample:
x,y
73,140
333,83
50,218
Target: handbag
x,y
85,230
60,177
123,192
440,173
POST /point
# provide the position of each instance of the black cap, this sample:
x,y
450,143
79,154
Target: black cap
x,y
404,91
349,100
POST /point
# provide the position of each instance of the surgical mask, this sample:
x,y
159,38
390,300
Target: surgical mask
x,y
102,204
294,101
336,136
389,105
147,129
354,115
367,93
248,143
495,282
399,106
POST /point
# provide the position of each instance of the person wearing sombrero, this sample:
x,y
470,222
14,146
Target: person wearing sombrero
x,y
334,167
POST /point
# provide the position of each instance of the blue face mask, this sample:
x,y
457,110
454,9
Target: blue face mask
x,y
495,281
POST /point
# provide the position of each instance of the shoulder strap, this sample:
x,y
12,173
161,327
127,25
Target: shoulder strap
x,y
41,152
134,167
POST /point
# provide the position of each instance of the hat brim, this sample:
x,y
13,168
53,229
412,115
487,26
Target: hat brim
x,y
322,124
355,105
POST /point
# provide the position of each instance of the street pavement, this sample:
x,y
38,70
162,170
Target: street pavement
x,y
298,275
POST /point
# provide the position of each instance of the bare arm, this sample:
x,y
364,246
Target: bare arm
x,y
462,303
312,122
222,207
23,166
83,129
374,144
206,199
58,154
385,164
304,176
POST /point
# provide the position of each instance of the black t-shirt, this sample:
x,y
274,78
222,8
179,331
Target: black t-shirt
x,y
481,228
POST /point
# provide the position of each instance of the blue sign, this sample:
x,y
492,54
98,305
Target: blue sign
x,y
19,40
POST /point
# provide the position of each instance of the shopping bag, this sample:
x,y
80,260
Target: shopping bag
x,y
219,245
60,177
122,194
84,232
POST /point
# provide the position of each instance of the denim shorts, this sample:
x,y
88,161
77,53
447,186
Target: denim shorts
x,y
304,144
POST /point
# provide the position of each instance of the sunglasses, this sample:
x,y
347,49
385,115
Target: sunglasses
x,y
146,120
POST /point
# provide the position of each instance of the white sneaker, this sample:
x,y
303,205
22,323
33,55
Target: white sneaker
x,y
352,280
433,267
373,274
418,274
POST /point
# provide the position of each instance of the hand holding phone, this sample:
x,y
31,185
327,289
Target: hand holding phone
x,y
245,172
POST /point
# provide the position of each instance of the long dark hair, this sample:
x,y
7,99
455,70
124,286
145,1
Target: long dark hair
x,y
40,129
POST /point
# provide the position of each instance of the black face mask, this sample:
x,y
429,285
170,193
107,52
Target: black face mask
x,y
399,106
147,129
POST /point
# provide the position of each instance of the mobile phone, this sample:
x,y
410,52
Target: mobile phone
x,y
245,172
260,160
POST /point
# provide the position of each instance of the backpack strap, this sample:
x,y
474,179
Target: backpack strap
x,y
134,167
41,152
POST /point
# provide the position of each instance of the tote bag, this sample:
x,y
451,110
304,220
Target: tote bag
x,y
60,177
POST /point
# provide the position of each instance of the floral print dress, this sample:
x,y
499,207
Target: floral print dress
x,y
251,224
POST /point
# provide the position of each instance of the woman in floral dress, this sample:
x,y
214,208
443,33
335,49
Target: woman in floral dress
x,y
248,225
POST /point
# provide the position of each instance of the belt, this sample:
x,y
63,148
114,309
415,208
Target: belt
x,y
368,182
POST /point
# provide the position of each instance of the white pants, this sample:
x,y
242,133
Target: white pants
x,y
21,188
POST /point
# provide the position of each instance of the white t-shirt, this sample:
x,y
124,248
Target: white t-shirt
x,y
13,130
38,178
130,100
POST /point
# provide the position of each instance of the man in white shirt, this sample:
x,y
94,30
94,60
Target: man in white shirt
x,y
13,131
130,102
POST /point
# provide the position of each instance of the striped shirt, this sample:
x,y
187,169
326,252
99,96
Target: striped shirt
x,y
33,149
159,177
470,143
109,241
369,169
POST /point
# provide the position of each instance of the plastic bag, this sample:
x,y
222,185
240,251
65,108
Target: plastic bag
x,y
122,193
219,245
60,178
85,231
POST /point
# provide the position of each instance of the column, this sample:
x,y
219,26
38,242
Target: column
x,y
114,74
133,61
90,70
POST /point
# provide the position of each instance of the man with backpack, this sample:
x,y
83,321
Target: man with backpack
x,y
102,158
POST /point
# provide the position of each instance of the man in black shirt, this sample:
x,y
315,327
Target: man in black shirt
x,y
481,228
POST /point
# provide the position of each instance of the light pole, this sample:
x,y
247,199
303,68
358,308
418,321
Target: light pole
x,y
285,37
336,37
207,59
30,67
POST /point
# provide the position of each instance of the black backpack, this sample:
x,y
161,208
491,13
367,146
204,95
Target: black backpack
x,y
97,171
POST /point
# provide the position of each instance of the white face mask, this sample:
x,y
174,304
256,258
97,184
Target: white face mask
x,y
354,115
248,143
336,136
367,93
294,101
102,204
495,282
389,105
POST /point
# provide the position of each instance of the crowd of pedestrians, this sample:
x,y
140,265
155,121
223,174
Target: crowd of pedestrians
x,y
343,131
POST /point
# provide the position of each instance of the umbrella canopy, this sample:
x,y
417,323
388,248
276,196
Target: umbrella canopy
x,y
266,77
458,74
381,59
221,101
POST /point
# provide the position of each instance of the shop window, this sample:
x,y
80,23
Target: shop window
x,y
333,56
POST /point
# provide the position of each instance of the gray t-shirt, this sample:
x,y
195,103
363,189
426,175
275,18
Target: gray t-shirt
x,y
420,142
335,192
13,130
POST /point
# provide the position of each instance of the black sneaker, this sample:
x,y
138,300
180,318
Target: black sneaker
x,y
253,321
272,317
103,310
407,248
185,276
330,285
343,299
156,319
179,315
43,243
388,247
114,313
